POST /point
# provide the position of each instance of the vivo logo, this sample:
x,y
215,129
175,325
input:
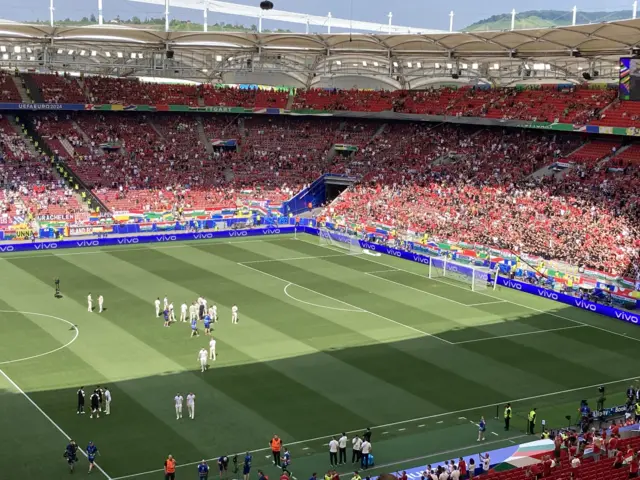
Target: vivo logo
x,y
368,246
201,236
166,238
627,317
452,268
543,292
586,305
127,241
512,284
421,259
88,243
324,234
271,231
239,233
395,253
46,246
8,248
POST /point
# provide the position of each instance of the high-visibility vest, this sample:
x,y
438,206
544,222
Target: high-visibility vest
x,y
507,412
637,408
532,416
276,443
170,465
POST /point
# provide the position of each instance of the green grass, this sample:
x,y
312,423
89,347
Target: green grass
x,y
327,342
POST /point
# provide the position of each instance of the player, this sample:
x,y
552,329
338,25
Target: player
x,y
193,311
157,304
183,312
178,402
166,317
80,394
100,303
95,404
203,470
214,312
172,315
92,451
207,324
107,401
202,356
482,427
56,281
246,466
223,464
70,453
165,302
200,308
286,461
89,303
212,349
234,314
191,405
194,328
100,392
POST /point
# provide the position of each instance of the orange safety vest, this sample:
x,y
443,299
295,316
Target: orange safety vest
x,y
170,466
276,443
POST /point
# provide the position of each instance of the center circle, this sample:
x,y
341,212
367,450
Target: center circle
x,y
76,332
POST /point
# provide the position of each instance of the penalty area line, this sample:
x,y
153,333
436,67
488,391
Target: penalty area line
x,y
22,392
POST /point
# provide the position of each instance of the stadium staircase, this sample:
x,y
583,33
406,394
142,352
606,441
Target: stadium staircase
x,y
24,95
86,138
156,129
290,102
203,137
83,87
66,174
32,89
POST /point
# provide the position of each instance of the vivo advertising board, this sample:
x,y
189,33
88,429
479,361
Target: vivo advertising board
x,y
133,240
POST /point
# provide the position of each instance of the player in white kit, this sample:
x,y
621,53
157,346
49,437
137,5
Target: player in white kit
x,y
107,397
172,313
89,303
212,349
157,304
100,303
202,356
178,401
234,314
214,314
165,303
191,405
183,312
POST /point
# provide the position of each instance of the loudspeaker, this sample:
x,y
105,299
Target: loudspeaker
x,y
169,54
586,75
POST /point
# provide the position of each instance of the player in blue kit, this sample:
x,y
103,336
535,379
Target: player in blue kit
x,y
203,470
223,465
246,466
194,327
92,451
207,324
166,316
70,453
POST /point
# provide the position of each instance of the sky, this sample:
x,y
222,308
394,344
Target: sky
x,y
413,13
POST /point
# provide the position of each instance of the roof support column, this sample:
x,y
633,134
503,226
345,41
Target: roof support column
x,y
206,19
99,12
451,21
166,15
51,9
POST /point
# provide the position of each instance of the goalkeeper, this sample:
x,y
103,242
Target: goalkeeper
x,y
56,282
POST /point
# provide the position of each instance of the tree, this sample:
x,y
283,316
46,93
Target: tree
x,y
93,19
136,21
84,20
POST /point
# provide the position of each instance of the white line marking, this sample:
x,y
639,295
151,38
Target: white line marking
x,y
401,429
495,298
416,289
359,310
422,425
305,448
485,303
520,334
350,305
384,433
77,332
151,246
441,421
384,271
15,385
402,422
494,433
291,259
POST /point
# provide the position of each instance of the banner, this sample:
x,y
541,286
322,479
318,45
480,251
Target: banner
x,y
140,239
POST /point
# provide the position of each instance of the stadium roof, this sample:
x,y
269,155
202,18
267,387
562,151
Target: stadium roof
x,y
321,54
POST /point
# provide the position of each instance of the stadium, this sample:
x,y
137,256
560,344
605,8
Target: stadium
x,y
427,237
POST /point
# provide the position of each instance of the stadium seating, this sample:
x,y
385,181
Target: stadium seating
x,y
135,92
8,90
56,88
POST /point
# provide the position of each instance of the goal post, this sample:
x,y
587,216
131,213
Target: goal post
x,y
443,267
342,241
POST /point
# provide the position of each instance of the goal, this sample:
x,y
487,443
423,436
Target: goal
x,y
339,240
476,277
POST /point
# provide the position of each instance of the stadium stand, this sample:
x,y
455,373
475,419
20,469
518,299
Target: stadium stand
x,y
56,88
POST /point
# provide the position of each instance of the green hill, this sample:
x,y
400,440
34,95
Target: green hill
x,y
545,18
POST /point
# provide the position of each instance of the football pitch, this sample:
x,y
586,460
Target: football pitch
x,y
327,342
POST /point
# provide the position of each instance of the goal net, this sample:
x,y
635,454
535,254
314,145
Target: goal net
x,y
342,241
476,277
